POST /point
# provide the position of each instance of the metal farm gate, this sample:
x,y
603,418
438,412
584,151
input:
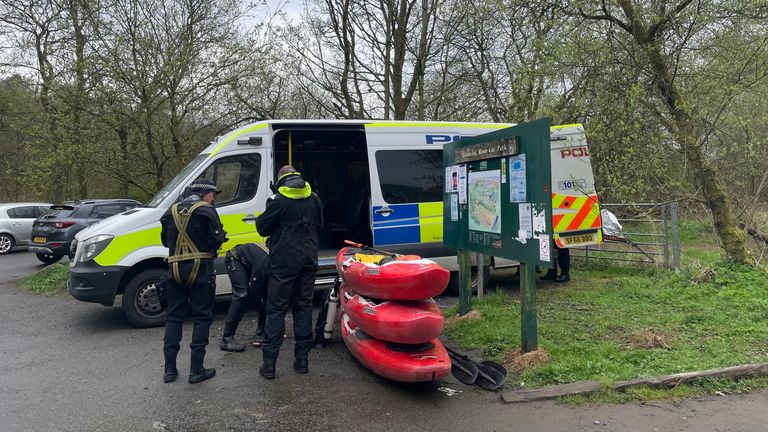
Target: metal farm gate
x,y
649,235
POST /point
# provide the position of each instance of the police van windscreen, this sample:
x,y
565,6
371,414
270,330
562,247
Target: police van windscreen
x,y
173,184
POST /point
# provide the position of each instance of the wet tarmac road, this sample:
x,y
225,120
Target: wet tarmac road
x,y
71,366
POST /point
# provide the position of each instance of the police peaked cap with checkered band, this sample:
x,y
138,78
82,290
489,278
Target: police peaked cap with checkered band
x,y
204,186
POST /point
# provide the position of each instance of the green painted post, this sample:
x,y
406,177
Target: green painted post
x,y
528,335
465,288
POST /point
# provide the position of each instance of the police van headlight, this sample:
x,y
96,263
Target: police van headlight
x,y
93,246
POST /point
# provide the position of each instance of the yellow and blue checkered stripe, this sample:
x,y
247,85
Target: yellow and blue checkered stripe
x,y
409,224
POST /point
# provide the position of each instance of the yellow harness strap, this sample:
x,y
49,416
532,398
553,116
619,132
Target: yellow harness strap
x,y
185,248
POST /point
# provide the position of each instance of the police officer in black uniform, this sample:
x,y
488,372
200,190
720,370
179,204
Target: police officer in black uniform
x,y
248,270
292,221
192,232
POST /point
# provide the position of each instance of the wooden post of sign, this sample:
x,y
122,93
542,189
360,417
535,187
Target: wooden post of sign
x,y
480,277
528,336
465,287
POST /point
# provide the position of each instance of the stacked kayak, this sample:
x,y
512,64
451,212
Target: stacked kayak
x,y
389,321
428,362
406,323
406,278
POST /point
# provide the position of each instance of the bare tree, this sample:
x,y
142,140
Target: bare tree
x,y
370,57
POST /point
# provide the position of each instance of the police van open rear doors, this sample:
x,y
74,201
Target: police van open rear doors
x,y
332,157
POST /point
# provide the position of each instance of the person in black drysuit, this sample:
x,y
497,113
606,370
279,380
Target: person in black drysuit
x,y
292,220
248,269
192,232
563,260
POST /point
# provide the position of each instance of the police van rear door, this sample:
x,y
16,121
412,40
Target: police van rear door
x,y
407,177
575,209
406,182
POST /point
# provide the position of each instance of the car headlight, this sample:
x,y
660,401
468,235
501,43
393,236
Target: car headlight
x,y
93,246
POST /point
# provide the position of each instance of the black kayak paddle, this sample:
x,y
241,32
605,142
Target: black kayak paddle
x,y
464,371
490,375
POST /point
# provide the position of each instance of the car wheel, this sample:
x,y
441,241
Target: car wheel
x,y
6,243
144,301
453,284
48,258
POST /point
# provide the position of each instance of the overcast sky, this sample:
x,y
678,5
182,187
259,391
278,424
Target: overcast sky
x,y
292,8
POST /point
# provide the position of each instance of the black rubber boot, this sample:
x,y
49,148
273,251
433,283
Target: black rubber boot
x,y
301,365
563,278
550,275
267,369
231,345
201,375
170,373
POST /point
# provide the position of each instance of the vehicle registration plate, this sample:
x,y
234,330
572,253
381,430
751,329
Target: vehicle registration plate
x,y
39,239
579,239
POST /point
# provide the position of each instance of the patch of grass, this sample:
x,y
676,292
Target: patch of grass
x,y
617,323
50,280
694,229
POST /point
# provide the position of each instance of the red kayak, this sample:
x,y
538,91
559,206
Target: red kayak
x,y
406,278
406,323
392,361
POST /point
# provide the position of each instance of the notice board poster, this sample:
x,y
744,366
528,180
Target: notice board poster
x,y
517,182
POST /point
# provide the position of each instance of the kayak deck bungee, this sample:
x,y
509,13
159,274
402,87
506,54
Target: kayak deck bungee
x,y
400,322
382,277
394,362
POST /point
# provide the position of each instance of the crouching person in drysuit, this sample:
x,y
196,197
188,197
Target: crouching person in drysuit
x,y
248,270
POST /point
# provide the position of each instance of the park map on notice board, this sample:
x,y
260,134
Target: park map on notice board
x,y
484,193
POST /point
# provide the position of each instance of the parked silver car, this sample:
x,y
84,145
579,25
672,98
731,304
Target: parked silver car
x,y
16,221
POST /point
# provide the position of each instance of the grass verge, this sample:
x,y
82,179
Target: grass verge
x,y
50,280
617,323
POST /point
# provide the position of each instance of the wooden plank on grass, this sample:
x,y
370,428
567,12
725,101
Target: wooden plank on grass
x,y
551,392
750,370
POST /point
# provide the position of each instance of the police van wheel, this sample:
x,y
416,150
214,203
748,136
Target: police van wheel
x,y
453,284
141,300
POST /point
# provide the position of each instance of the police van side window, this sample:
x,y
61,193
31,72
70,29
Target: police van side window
x,y
237,177
410,176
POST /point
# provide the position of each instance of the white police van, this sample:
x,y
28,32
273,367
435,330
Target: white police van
x,y
380,183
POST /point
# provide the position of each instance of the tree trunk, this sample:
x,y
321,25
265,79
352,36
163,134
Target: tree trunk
x,y
80,97
685,130
122,135
732,239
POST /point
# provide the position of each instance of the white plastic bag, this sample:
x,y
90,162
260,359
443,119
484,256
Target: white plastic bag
x,y
611,225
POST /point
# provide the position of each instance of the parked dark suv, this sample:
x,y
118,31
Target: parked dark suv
x,y
53,232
